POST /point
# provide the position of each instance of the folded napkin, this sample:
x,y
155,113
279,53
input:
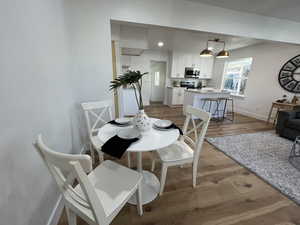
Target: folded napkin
x,y
117,146
173,126
113,122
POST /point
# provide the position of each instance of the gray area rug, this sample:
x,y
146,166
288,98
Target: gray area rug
x,y
266,155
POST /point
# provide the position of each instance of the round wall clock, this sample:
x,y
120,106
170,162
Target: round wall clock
x,y
289,75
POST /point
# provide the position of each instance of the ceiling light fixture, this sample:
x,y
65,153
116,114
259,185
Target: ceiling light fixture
x,y
222,54
160,44
208,53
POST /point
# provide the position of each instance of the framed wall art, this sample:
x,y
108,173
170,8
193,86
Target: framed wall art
x,y
289,75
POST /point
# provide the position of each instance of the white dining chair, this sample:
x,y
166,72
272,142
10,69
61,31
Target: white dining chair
x,y
99,196
185,150
97,114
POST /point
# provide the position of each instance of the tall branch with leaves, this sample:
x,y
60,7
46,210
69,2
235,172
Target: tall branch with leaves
x,y
133,79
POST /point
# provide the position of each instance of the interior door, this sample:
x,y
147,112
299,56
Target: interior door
x,y
158,79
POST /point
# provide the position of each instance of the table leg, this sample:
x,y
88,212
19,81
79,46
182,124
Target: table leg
x,y
139,162
275,120
270,113
150,184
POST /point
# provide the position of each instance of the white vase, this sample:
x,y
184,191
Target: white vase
x,y
141,121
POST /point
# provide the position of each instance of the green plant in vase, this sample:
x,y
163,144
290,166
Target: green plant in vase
x,y
134,80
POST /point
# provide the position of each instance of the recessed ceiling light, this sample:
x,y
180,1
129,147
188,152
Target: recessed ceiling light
x,y
160,44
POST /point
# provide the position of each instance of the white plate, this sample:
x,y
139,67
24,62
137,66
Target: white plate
x,y
128,133
160,128
123,120
162,123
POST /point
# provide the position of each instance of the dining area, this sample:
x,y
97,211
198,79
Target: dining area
x,y
157,167
162,171
103,188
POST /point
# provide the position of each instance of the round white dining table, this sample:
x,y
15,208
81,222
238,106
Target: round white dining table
x,y
149,141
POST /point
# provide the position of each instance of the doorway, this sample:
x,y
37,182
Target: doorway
x,y
158,81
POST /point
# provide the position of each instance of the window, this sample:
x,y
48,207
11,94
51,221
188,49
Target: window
x,y
156,79
236,75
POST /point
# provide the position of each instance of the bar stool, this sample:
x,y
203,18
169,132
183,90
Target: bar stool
x,y
216,112
231,114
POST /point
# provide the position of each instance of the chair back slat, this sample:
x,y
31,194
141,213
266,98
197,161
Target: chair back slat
x,y
65,169
200,121
97,114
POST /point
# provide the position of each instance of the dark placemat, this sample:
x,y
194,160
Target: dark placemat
x,y
113,122
117,146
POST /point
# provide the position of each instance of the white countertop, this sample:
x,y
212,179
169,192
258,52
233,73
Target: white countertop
x,y
208,91
175,87
203,91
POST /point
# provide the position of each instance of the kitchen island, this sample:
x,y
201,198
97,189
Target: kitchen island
x,y
195,97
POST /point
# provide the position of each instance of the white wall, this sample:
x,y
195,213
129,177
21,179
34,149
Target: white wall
x,y
262,86
36,97
91,56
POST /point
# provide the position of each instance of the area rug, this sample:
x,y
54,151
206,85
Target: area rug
x,y
266,155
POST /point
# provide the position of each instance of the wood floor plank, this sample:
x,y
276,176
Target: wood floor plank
x,y
226,194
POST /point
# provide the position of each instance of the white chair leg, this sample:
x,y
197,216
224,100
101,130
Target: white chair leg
x,y
101,156
195,169
92,150
139,200
128,160
153,165
72,218
163,177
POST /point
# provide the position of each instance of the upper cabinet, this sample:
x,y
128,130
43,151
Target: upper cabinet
x,y
180,60
178,65
206,67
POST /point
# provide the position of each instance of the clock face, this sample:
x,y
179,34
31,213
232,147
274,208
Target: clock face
x,y
289,75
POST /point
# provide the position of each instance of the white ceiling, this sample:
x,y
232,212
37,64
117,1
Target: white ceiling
x,y
174,37
282,9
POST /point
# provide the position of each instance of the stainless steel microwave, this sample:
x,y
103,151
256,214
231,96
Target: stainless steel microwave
x,y
192,72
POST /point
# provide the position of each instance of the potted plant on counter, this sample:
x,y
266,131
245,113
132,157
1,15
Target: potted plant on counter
x,y
133,79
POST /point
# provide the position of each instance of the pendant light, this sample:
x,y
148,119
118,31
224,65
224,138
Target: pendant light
x,y
224,53
208,53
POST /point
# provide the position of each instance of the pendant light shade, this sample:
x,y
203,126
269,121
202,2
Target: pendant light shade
x,y
222,54
206,53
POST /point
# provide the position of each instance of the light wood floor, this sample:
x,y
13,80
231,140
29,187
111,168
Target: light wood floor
x,y
227,193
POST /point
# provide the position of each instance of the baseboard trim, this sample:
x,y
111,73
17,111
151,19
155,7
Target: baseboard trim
x,y
56,212
251,114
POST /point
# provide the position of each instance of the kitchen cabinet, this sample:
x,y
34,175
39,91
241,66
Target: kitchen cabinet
x,y
206,67
178,67
188,60
180,60
175,96
128,105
